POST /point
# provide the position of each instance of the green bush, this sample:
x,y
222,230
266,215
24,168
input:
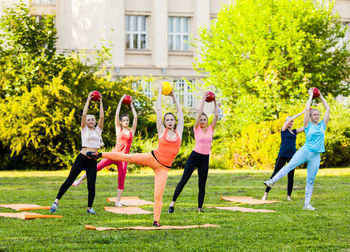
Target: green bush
x,y
258,144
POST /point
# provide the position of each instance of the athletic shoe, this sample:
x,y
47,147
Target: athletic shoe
x,y
171,209
264,197
200,210
94,155
118,204
289,198
156,224
76,183
53,207
90,211
309,207
269,183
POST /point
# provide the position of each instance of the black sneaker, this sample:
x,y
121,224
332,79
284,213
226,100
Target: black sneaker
x,y
200,210
94,155
156,224
171,209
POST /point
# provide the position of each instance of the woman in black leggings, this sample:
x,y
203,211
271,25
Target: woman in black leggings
x,y
200,155
91,141
287,150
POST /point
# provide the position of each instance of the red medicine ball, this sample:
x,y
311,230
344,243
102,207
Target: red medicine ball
x,y
210,97
95,95
127,100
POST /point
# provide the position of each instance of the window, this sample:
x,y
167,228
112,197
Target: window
x,y
136,32
184,93
143,86
43,1
178,33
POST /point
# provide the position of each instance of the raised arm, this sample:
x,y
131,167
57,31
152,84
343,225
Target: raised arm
x,y
285,126
180,116
102,115
307,108
117,112
85,110
216,114
200,110
160,126
328,109
134,122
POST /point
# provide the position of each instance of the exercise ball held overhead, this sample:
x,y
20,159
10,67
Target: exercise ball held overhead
x,y
210,97
95,95
127,100
166,88
316,93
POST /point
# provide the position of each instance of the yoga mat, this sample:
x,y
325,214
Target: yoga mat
x,y
247,200
24,207
150,228
28,216
131,201
127,210
244,209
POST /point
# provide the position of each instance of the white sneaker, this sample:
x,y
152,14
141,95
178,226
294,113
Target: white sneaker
x,y
264,197
76,183
289,198
309,207
118,204
269,183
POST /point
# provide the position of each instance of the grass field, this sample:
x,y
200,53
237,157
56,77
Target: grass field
x,y
288,229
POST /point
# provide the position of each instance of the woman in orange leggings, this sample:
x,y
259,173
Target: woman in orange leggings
x,y
161,159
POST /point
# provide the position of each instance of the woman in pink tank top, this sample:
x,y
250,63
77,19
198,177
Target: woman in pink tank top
x,y
123,144
199,157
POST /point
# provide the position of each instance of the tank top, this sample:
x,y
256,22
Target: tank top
x,y
167,149
203,140
315,137
91,138
123,141
288,140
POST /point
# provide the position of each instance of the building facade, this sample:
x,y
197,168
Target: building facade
x,y
146,37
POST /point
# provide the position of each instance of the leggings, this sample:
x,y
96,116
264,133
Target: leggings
x,y
195,160
160,174
122,168
280,162
313,160
80,163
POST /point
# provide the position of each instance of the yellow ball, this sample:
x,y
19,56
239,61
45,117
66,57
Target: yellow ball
x,y
166,88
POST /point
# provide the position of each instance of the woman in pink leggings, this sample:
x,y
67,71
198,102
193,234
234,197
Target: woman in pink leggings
x,y
124,140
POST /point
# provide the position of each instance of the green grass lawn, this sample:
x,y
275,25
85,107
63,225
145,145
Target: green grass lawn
x,y
288,229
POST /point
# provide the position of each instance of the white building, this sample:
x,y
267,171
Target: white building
x,y
148,37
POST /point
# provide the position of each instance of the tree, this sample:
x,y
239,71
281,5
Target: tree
x,y
263,55
42,94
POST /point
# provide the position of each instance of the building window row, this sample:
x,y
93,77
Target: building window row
x,y
183,90
136,33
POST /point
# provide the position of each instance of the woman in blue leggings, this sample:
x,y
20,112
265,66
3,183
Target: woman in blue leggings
x,y
311,150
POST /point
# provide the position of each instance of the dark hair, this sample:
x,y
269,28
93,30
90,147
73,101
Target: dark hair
x,y
123,115
169,113
204,115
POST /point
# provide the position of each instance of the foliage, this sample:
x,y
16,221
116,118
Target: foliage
x,y
258,144
263,56
43,94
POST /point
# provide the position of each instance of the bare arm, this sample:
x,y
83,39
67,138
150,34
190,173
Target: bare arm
x,y
285,126
307,108
102,115
328,109
117,112
180,116
300,130
85,110
134,122
216,114
200,110
160,126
